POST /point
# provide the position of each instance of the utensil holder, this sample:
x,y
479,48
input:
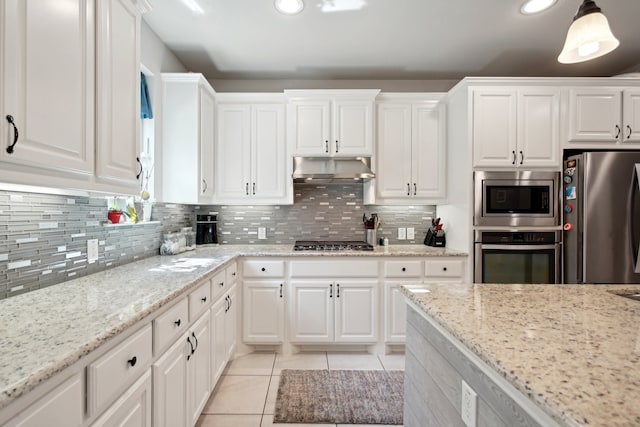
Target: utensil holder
x,y
371,236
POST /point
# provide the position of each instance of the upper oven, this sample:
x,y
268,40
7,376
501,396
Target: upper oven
x,y
516,198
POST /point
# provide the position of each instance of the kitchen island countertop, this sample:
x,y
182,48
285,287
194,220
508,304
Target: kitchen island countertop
x,y
574,350
45,331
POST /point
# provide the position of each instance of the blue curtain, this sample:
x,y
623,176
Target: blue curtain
x,y
145,102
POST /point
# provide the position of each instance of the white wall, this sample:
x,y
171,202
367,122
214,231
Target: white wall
x,y
157,58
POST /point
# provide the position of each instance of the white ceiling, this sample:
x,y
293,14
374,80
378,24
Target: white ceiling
x,y
386,39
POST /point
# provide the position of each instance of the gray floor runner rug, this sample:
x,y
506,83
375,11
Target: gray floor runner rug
x,y
340,397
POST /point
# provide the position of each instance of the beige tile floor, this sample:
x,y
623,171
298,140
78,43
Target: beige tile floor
x,y
245,396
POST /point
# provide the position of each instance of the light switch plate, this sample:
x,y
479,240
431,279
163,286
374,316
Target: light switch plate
x,y
92,250
411,233
262,233
402,233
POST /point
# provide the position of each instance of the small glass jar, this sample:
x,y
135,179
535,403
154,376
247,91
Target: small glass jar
x,y
170,244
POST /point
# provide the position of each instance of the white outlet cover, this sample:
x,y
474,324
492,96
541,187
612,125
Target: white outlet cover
x,y
411,233
262,233
402,233
469,404
92,250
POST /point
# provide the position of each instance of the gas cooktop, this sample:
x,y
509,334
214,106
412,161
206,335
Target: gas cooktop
x,y
330,245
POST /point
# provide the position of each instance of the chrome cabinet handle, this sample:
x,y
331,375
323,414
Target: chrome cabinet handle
x,y
618,130
514,157
246,188
415,189
408,189
15,133
336,145
254,188
326,146
521,157
629,134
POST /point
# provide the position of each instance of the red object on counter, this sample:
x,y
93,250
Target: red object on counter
x,y
568,227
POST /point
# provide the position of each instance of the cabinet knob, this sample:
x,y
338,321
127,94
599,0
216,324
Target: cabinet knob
x,y
233,274
177,322
404,268
132,361
204,299
221,284
444,268
263,269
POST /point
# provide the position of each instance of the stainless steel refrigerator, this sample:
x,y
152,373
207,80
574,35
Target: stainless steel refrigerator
x,y
602,217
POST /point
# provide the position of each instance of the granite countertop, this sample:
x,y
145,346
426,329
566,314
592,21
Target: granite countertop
x,y
573,350
46,331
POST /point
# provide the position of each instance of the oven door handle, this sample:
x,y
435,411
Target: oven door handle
x,y
520,247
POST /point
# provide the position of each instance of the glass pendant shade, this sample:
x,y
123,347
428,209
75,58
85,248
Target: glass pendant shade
x,y
588,37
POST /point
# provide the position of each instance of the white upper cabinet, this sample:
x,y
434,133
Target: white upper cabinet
x,y
330,122
603,116
118,92
410,153
516,127
252,165
188,138
71,84
47,84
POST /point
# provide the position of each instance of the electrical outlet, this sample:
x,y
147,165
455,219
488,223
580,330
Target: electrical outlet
x,y
402,233
262,233
469,405
92,250
411,233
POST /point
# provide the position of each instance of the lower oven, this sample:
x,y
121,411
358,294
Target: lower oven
x,y
517,257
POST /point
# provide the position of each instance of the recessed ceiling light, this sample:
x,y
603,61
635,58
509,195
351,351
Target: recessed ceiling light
x,y
289,7
534,6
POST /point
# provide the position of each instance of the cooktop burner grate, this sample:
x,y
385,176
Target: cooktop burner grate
x,y
330,245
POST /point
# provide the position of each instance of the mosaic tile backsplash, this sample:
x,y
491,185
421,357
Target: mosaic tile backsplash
x,y
44,238
319,212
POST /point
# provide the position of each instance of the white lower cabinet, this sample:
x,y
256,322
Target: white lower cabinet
x,y
223,330
63,406
132,409
181,379
342,311
263,311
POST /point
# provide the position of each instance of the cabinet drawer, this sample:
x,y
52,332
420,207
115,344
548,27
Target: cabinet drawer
x,y
232,273
444,268
259,268
402,268
218,285
199,300
167,327
63,406
341,268
110,374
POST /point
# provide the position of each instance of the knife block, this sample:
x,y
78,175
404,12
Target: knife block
x,y
432,239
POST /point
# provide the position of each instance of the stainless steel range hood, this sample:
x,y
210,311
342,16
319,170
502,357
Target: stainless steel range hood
x,y
326,170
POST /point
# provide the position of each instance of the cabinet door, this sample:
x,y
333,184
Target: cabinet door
x,y
199,368
393,174
170,386
595,114
133,409
218,343
263,311
428,151
233,154
231,324
311,311
48,60
356,311
494,127
63,406
395,315
631,118
268,152
352,128
207,143
118,91
538,127
310,127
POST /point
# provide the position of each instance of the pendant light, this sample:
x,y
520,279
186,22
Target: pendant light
x,y
589,35
289,7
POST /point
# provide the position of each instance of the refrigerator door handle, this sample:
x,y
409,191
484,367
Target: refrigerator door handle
x,y
634,192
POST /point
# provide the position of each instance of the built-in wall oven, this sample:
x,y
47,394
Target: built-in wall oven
x,y
516,198
518,256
